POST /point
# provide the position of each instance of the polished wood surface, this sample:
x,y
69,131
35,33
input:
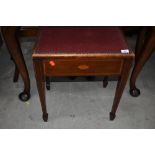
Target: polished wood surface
x,y
80,67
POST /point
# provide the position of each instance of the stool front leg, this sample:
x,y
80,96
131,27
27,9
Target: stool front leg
x,y
40,80
120,87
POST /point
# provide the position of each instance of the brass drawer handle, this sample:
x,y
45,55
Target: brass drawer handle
x,y
83,67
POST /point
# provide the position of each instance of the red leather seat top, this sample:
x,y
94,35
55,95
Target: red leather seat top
x,y
80,39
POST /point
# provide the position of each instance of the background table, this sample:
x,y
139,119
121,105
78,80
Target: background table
x,y
144,47
11,36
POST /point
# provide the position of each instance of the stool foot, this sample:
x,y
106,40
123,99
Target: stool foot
x,y
112,116
135,92
45,117
24,96
105,82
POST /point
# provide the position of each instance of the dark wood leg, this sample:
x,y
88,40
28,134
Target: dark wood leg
x,y
120,87
12,42
40,80
105,81
145,54
47,83
16,74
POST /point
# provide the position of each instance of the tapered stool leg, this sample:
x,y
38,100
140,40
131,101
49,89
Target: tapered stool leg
x,y
40,80
120,87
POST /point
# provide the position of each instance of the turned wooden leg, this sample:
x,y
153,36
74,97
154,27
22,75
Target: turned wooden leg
x,y
47,83
105,81
145,54
120,87
40,80
12,42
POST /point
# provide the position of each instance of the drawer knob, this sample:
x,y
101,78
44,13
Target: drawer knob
x,y
83,67
52,63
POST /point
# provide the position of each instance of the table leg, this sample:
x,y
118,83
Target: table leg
x,y
40,80
120,87
145,54
16,74
11,40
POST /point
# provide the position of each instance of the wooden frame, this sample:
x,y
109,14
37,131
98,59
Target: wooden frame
x,y
41,67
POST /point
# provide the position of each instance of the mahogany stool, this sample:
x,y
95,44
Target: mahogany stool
x,y
81,51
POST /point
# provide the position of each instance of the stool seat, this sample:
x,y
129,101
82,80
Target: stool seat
x,y
80,39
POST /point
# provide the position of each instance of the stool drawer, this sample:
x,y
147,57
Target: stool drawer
x,y
63,67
